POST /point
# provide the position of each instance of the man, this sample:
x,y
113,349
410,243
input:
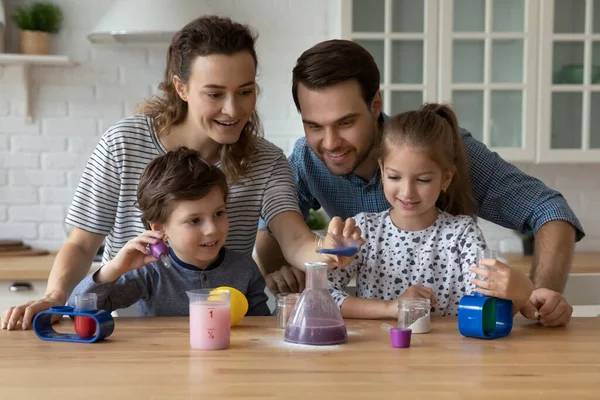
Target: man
x,y
336,89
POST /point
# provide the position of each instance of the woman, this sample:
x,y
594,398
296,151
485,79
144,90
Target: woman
x,y
208,104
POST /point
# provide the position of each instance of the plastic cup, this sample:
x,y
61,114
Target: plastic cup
x,y
414,314
85,327
210,314
482,255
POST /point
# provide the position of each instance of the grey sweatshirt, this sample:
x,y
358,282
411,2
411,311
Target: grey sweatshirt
x,y
160,291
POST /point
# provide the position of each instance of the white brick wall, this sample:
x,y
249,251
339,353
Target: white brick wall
x,y
41,163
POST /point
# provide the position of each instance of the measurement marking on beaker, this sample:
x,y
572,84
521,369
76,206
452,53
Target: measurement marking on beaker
x,y
210,311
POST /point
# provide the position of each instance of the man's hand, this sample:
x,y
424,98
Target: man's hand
x,y
503,282
549,307
286,280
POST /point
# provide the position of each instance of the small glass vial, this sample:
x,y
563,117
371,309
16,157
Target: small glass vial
x,y
483,254
284,307
414,314
85,327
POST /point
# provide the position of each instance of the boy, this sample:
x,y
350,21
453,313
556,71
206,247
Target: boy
x,y
183,201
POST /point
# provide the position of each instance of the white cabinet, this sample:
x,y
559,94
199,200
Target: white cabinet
x,y
488,71
522,75
13,293
402,38
569,112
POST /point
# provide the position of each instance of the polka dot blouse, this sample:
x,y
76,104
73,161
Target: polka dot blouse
x,y
392,259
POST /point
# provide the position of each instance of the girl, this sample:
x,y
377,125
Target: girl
x,y
207,104
425,244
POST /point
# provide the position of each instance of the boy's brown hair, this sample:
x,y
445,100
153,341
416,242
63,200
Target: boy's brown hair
x,y
177,175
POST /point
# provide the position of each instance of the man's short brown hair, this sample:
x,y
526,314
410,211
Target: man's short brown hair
x,y
177,175
335,61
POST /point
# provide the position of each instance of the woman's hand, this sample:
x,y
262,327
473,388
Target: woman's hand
x,y
345,235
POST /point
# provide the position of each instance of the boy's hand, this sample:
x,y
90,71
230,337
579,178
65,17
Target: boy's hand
x,y
503,282
413,292
345,232
132,256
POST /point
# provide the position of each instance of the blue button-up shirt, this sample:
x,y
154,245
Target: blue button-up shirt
x,y
503,194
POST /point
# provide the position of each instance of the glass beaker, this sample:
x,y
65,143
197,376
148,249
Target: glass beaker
x,y
85,327
481,255
316,319
210,314
336,245
284,307
414,314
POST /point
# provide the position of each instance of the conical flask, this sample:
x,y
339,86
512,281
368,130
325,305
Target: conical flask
x,y
316,319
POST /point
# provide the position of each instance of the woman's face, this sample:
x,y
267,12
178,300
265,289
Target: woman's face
x,y
221,94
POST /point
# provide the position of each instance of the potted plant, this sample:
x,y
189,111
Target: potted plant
x,y
2,25
37,21
528,240
317,220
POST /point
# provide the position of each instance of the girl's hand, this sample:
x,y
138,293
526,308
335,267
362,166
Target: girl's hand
x,y
419,292
413,292
133,255
341,234
503,282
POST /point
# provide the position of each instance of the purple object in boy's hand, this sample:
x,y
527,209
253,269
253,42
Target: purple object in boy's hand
x,y
158,249
400,337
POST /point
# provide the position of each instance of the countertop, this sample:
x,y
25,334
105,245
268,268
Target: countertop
x,y
151,358
38,267
29,268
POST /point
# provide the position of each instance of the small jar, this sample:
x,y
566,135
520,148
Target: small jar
x,y
414,314
284,307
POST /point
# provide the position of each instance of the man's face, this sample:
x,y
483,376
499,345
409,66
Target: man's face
x,y
340,127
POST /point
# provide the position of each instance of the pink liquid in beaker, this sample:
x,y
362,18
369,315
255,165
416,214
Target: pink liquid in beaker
x,y
210,325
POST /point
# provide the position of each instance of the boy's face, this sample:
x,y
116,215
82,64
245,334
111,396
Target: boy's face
x,y
197,229
340,127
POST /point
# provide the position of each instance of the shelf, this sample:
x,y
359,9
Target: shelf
x,y
34,59
24,62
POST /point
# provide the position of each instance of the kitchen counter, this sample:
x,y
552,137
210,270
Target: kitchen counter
x,y
38,267
151,358
29,268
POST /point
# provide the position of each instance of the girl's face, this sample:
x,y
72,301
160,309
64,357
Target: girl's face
x,y
412,183
197,229
221,95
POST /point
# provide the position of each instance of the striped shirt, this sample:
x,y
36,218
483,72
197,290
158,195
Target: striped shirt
x,y
106,197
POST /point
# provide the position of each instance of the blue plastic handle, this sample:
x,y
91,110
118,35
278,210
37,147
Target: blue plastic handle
x,y
484,317
42,325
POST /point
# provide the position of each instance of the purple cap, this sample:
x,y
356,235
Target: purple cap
x,y
158,249
400,337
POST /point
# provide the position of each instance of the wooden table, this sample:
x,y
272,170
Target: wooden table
x,y
150,358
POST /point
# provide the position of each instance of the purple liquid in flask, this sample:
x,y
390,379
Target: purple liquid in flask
x,y
316,318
